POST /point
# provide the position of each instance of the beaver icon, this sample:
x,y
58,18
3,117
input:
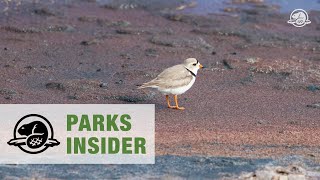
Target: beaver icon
x,y
36,132
299,18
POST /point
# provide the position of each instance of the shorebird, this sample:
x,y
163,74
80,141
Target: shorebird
x,y
175,80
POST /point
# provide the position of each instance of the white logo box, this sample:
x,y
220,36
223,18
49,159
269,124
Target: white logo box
x,y
142,120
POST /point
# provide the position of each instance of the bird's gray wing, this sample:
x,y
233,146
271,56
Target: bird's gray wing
x,y
173,77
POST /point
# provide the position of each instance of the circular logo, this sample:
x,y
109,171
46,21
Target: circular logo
x,y
299,18
33,134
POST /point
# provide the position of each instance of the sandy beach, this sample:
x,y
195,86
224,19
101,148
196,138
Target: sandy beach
x,y
257,101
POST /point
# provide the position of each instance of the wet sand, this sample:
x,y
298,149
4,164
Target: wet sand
x,y
257,96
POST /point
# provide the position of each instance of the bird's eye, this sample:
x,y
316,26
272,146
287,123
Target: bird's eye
x,y
22,127
194,64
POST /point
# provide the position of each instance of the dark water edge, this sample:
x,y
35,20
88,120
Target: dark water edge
x,y
202,7
215,6
166,167
283,6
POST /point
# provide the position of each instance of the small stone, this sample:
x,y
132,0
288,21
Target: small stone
x,y
103,85
45,67
151,52
119,82
227,64
314,105
252,60
175,17
8,93
313,88
8,97
69,28
44,12
128,31
29,67
55,85
72,97
311,155
121,23
87,43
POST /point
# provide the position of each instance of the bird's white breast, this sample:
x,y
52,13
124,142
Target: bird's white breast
x,y
179,90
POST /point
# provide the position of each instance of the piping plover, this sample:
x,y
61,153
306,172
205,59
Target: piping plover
x,y
175,80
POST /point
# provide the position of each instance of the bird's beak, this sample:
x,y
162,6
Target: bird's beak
x,y
200,66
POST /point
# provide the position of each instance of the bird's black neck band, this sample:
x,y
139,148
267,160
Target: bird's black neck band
x,y
193,74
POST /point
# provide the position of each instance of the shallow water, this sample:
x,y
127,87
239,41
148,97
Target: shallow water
x,y
216,6
202,7
288,6
285,6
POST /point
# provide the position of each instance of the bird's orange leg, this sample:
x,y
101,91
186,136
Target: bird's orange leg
x,y
176,101
168,102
